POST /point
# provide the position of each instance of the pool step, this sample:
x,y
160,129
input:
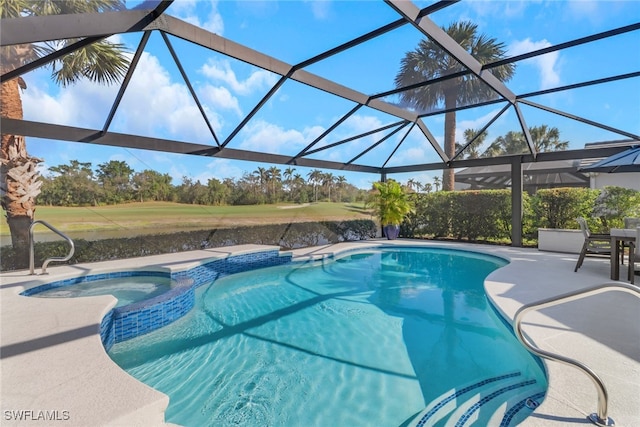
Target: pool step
x,y
500,399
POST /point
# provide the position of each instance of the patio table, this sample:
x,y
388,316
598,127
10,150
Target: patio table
x,y
619,235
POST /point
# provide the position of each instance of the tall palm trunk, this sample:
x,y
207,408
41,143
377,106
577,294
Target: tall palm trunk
x,y
448,178
19,184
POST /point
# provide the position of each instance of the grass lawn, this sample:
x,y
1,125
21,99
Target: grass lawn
x,y
155,215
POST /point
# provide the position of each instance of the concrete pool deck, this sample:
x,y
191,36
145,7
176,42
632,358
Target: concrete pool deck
x,y
53,364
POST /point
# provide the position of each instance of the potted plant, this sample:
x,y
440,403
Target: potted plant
x,y
390,204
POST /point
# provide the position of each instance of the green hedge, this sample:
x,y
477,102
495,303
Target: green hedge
x,y
559,207
468,215
486,214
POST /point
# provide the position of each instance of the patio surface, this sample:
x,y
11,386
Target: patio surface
x,y
52,358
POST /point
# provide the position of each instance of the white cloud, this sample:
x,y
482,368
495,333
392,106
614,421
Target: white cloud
x,y
546,64
220,99
490,8
220,70
154,105
586,9
187,11
84,104
413,155
321,9
271,138
223,168
360,124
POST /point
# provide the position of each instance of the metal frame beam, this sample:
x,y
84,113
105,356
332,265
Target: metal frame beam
x,y
33,29
516,202
354,137
94,136
399,144
327,131
97,26
581,119
58,24
127,78
525,130
192,91
590,153
374,145
227,47
484,128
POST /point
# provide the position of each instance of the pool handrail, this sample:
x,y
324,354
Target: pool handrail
x,y
48,260
599,418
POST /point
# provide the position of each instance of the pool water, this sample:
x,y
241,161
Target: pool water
x,y
127,290
367,339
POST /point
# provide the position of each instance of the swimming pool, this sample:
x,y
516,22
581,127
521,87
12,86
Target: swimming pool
x,y
127,287
385,337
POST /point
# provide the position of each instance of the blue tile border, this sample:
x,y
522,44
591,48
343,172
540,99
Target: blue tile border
x,y
92,278
460,392
467,415
133,320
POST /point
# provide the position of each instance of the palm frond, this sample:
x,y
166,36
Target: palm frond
x,y
15,8
102,62
57,7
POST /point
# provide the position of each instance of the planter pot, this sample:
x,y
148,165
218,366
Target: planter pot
x,y
560,240
391,231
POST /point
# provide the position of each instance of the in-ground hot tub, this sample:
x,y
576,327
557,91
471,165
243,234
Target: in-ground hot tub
x,y
126,287
147,300
151,299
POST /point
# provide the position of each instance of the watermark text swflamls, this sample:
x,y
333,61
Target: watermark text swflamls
x,y
36,415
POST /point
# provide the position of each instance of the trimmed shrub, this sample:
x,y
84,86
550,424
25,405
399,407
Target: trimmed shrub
x,y
613,204
460,214
559,207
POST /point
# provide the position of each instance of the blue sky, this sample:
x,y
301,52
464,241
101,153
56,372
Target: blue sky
x,y
293,31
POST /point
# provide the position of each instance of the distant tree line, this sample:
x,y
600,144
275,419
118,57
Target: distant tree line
x,y
113,182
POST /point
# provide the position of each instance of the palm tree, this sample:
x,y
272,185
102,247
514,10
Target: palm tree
x,y
428,61
315,177
340,182
288,176
328,179
298,188
436,182
547,139
390,204
471,152
102,62
261,175
274,177
511,143
544,139
412,184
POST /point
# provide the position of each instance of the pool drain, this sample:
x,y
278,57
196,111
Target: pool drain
x,y
531,404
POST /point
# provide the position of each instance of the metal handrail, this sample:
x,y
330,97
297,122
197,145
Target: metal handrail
x,y
600,418
48,260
